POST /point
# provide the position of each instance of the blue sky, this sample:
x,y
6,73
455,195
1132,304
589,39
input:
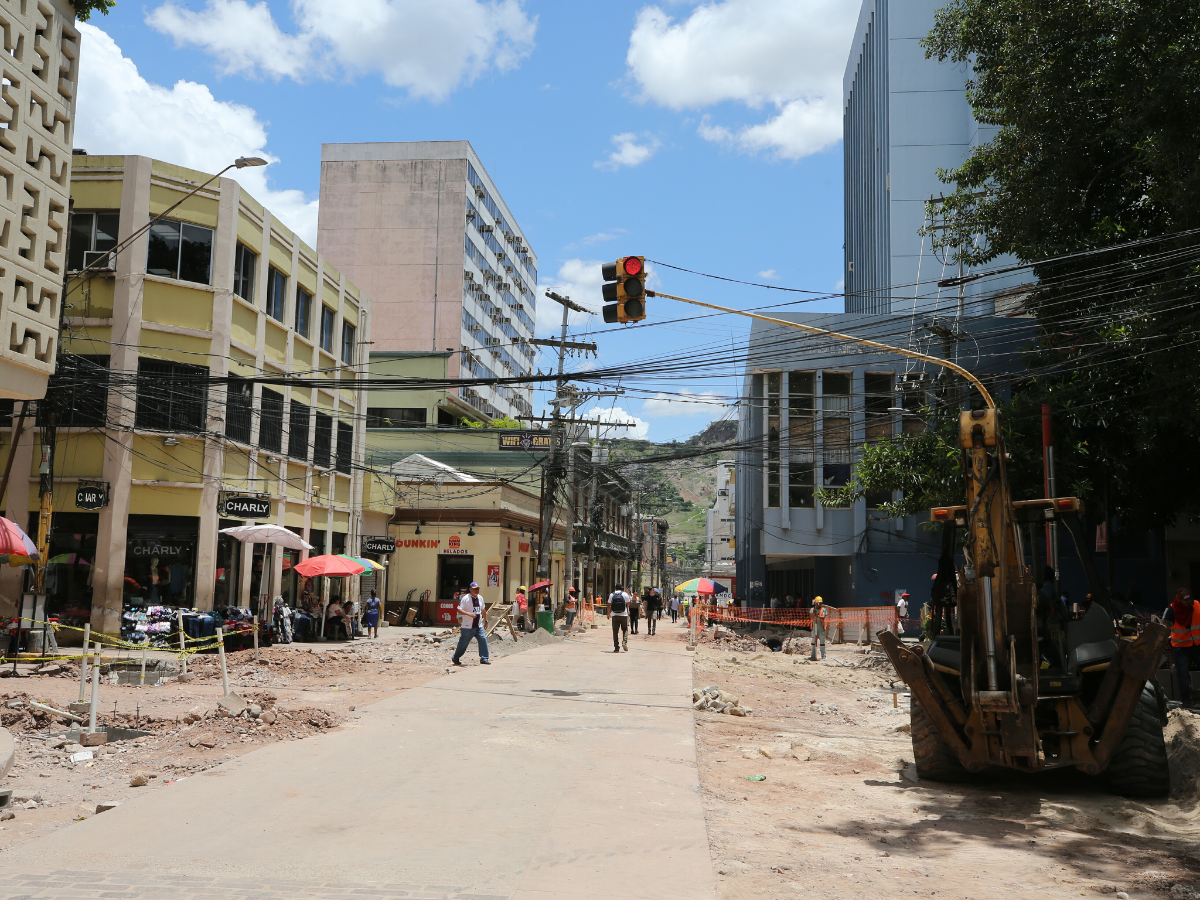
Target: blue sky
x,y
702,135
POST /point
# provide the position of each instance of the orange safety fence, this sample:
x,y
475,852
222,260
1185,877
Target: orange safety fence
x,y
839,621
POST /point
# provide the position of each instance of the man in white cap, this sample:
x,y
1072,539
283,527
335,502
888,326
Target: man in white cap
x,y
819,615
473,622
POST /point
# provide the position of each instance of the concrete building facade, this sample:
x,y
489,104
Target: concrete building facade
x,y
37,118
160,400
422,227
905,117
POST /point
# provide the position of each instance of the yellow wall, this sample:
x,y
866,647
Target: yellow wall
x,y
301,356
249,232
341,490
276,341
237,465
244,325
196,209
153,461
295,483
148,500
294,516
174,304
177,347
91,299
281,257
97,194
79,455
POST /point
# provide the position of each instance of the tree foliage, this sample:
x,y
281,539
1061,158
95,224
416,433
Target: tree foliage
x,y
1094,115
85,8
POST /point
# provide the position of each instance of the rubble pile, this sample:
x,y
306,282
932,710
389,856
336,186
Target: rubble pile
x,y
713,699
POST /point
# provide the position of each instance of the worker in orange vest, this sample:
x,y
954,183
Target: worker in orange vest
x,y
572,605
819,617
1183,615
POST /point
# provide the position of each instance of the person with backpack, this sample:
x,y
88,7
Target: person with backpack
x,y
653,610
635,611
618,614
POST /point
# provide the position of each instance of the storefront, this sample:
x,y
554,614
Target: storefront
x,y
70,563
160,558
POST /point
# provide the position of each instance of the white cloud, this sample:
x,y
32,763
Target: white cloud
x,y
629,152
640,428
663,406
578,279
429,49
767,274
785,54
120,112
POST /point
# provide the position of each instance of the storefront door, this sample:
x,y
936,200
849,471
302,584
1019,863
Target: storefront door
x,y
455,573
160,554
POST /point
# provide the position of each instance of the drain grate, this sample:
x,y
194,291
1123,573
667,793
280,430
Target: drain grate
x,y
555,692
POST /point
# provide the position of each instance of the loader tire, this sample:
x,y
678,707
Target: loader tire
x,y
934,759
1139,766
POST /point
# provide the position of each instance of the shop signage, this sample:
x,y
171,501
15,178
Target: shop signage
x,y
493,576
378,544
455,542
522,547
91,496
418,544
160,548
246,507
455,551
526,440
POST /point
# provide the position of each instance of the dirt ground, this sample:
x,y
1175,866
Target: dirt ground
x,y
309,689
841,812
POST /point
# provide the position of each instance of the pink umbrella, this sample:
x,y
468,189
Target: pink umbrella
x,y
14,541
330,565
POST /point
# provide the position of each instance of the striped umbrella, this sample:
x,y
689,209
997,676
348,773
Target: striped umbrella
x,y
700,586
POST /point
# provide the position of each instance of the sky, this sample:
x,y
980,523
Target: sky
x,y
700,135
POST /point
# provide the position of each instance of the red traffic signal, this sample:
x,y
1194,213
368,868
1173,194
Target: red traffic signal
x,y
624,289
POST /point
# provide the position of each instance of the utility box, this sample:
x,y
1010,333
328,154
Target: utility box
x,y
546,620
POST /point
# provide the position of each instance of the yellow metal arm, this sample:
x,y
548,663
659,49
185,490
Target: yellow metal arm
x,y
813,329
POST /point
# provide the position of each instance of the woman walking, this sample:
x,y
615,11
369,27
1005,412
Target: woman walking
x,y
371,613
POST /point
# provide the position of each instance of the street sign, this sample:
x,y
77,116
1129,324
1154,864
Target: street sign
x,y
379,544
246,507
91,496
526,440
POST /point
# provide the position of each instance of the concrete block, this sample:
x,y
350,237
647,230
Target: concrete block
x,y
93,740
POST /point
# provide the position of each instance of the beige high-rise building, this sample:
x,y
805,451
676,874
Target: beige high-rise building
x,y
422,229
37,117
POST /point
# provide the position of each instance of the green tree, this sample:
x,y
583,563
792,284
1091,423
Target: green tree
x,y
85,8
1093,165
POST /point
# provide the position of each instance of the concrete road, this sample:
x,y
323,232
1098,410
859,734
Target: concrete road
x,y
563,772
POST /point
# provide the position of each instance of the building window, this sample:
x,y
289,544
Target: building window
x,y
298,430
243,272
396,417
239,409
170,396
270,422
774,384
90,231
348,334
345,447
180,250
836,437
801,438
303,312
322,440
276,293
328,320
77,392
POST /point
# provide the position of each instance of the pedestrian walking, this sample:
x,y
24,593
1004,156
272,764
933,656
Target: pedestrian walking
x,y
635,612
653,610
618,614
472,624
674,608
373,608
819,616
1183,615
901,612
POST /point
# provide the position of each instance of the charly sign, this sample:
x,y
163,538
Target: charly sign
x,y
376,544
91,496
246,507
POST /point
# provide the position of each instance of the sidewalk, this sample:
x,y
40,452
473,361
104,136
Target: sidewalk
x,y
566,771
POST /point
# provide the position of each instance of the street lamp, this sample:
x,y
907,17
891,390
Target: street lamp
x,y
242,162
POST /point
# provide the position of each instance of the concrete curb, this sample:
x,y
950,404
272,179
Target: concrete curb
x,y
8,751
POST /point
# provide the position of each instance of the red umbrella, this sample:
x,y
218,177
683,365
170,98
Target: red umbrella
x,y
330,565
540,585
14,541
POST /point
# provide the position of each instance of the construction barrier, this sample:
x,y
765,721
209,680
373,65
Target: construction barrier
x,y
856,623
111,642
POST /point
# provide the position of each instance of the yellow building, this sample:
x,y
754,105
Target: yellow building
x,y
175,397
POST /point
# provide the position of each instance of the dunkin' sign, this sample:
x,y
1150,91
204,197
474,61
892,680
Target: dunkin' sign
x,y
454,543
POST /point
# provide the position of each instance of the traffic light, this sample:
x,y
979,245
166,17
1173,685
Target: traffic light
x,y
625,289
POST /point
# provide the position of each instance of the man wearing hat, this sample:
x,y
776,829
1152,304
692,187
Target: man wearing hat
x,y
473,622
819,615
572,605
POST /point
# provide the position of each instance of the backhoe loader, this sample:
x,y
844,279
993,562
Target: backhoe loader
x,y
1022,686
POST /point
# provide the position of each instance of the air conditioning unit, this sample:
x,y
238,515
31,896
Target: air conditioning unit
x,y
468,276
99,259
480,192
505,286
500,257
486,228
509,269
470,215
